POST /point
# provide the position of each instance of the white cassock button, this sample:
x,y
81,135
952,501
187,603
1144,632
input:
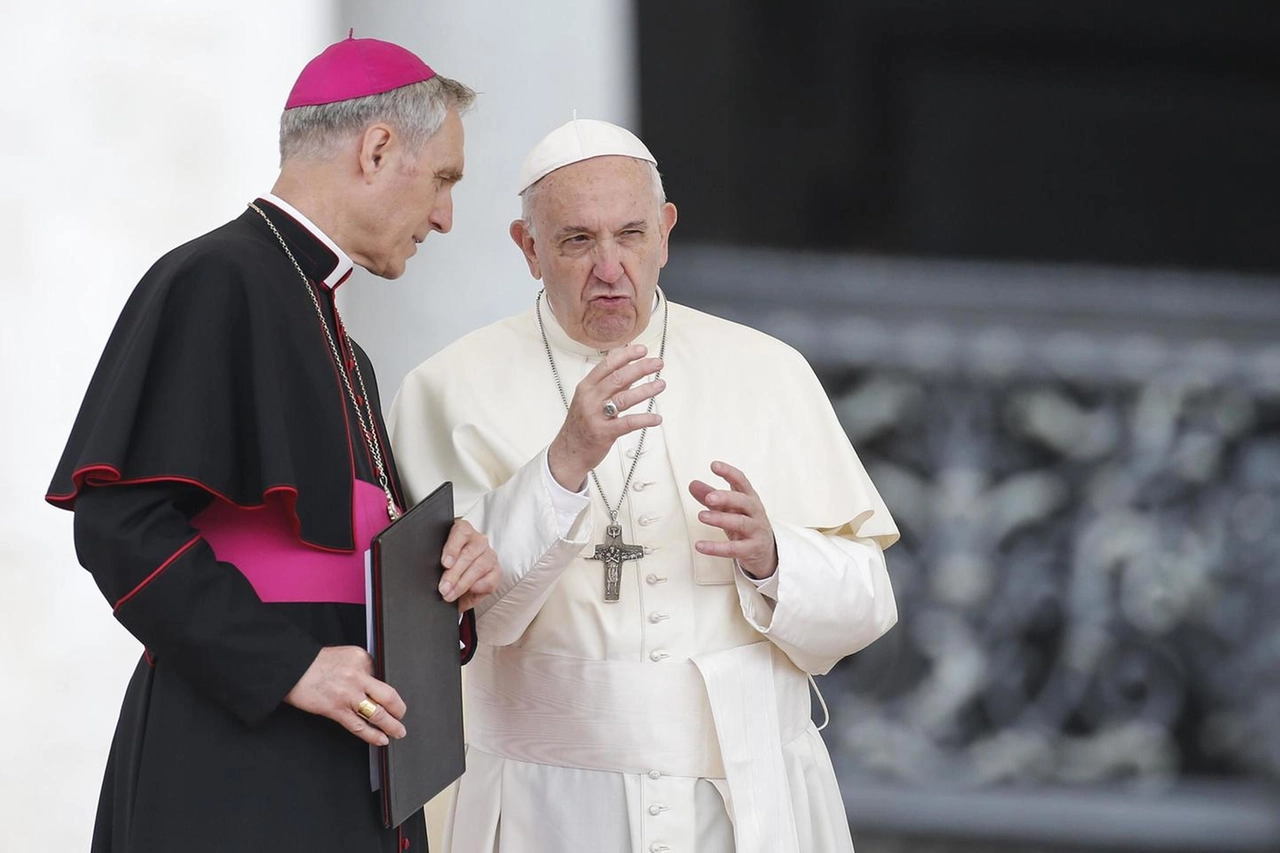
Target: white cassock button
x,y
657,656
646,520
654,580
656,847
654,774
631,454
657,810
641,485
656,617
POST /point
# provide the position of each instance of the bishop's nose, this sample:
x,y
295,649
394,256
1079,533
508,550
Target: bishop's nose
x,y
442,213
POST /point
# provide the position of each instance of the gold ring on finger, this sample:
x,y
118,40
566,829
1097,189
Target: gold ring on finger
x,y
366,708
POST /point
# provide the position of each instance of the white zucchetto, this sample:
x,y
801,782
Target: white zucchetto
x,y
576,140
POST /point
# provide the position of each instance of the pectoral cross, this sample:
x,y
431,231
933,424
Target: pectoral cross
x,y
613,553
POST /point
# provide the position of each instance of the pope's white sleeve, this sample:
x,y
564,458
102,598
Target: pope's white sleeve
x,y
536,527
832,597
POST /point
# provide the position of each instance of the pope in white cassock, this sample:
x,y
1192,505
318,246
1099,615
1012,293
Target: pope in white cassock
x,y
685,536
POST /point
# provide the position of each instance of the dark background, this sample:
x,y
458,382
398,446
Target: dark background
x,y
1136,132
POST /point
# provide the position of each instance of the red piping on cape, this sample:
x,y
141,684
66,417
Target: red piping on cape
x,y
108,475
149,578
81,476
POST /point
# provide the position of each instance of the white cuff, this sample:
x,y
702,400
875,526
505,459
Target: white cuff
x,y
767,587
568,505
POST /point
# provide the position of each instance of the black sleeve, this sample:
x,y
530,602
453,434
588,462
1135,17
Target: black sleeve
x,y
198,615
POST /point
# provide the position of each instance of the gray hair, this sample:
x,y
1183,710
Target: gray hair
x,y
528,198
416,111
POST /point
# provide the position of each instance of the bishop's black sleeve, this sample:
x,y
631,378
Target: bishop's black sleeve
x,y
194,613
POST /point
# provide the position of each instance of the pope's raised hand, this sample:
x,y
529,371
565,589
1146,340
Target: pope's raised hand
x,y
739,512
590,429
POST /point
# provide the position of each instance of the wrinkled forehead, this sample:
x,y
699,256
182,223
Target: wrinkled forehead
x,y
599,188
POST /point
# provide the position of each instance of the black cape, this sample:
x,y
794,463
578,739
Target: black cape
x,y
218,383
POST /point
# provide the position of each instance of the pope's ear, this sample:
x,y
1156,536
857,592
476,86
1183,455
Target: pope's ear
x,y
523,238
667,218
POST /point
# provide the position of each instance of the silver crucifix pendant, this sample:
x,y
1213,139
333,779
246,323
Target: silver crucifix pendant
x,y
613,553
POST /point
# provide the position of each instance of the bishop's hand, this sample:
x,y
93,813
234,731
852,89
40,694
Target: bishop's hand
x,y
588,431
335,685
740,514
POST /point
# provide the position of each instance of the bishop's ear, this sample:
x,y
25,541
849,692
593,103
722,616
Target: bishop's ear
x,y
523,238
375,144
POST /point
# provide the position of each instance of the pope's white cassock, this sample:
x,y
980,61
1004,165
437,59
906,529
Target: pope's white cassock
x,y
677,718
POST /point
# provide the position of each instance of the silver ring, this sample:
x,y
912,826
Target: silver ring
x,y
610,409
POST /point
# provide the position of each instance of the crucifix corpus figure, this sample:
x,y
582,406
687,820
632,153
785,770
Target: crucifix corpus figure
x,y
613,553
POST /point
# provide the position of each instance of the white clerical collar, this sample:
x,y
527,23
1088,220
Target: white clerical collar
x,y
345,264
651,337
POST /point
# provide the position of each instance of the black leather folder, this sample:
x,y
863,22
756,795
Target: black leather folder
x,y
416,651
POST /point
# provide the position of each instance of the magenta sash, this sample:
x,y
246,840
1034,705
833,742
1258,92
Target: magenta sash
x,y
262,542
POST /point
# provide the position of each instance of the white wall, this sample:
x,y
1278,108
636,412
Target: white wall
x,y
127,128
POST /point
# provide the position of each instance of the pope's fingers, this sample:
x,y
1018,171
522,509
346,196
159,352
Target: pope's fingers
x,y
631,423
734,549
614,360
700,490
735,478
589,396
626,399
735,524
739,502
630,374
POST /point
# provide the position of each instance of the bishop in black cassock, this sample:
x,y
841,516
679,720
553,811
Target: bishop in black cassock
x,y
225,491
